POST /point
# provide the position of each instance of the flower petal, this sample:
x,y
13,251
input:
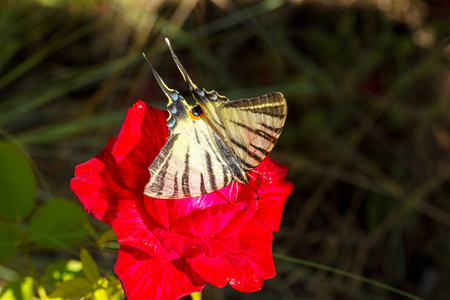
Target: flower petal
x,y
134,227
273,192
144,277
97,183
140,139
214,221
180,208
246,267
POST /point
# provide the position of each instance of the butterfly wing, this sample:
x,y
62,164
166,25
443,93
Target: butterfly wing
x,y
214,143
189,164
249,127
184,169
253,126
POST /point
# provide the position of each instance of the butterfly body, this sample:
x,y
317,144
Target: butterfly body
x,y
214,142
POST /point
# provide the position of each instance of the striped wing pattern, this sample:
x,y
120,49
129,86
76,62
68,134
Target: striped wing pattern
x,y
189,164
184,168
254,125
213,143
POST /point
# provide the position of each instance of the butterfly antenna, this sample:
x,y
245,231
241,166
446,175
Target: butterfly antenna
x,y
187,79
168,91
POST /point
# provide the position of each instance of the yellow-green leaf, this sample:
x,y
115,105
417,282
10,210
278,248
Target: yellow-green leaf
x,y
90,267
21,288
73,288
109,235
60,271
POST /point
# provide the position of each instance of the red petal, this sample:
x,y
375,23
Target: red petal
x,y
158,209
134,227
97,183
183,207
218,221
246,267
140,139
143,277
273,192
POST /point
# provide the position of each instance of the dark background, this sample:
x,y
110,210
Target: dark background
x,y
366,141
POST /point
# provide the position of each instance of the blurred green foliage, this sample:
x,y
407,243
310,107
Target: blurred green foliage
x,y
18,188
366,141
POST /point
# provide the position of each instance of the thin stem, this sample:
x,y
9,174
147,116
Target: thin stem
x,y
347,274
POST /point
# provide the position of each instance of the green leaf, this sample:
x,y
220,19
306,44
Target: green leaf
x,y
107,236
90,268
72,288
60,271
18,184
9,240
19,289
57,224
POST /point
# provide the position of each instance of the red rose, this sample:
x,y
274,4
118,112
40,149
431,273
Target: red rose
x,y
170,248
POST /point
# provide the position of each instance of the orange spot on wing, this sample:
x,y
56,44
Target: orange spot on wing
x,y
194,117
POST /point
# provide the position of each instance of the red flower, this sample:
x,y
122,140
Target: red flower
x,y
170,248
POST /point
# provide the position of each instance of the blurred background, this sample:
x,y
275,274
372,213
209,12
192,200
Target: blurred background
x,y
366,141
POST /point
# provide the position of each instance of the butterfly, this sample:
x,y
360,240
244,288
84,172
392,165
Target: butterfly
x,y
212,143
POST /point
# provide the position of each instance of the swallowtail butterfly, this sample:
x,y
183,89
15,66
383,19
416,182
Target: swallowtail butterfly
x,y
212,143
